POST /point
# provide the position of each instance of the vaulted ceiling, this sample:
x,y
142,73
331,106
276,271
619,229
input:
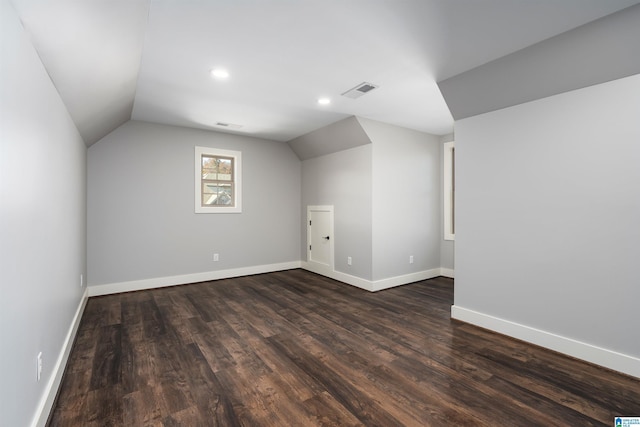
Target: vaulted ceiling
x,y
116,60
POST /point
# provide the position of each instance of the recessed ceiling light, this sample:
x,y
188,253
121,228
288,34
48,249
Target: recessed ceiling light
x,y
324,101
219,73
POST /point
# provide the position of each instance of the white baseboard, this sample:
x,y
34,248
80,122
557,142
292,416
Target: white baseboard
x,y
371,285
51,389
447,272
600,356
160,282
337,275
391,282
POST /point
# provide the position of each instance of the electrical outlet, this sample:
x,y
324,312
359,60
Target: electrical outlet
x,y
410,259
39,366
348,260
216,257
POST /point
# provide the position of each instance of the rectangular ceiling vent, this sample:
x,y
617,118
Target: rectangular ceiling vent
x,y
228,125
360,90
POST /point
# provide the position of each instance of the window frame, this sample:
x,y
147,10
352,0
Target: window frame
x,y
449,189
236,180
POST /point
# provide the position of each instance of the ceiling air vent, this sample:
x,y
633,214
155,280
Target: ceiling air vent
x,y
228,125
360,90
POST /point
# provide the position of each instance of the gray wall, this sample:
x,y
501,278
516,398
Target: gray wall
x,y
406,199
343,180
548,203
42,223
142,223
386,196
446,246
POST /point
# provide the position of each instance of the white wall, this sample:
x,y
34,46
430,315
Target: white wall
x,y
42,227
142,223
406,200
343,180
547,233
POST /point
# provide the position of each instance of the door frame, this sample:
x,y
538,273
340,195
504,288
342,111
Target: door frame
x,y
322,208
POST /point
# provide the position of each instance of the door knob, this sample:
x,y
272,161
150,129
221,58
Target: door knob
x,y
326,238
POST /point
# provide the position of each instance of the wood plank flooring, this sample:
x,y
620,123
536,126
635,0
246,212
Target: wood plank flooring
x,y
297,349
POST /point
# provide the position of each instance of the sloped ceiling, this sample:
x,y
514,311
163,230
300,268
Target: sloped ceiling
x,y
341,135
114,60
92,51
600,51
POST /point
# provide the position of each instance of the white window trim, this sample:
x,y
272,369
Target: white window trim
x,y
448,191
237,172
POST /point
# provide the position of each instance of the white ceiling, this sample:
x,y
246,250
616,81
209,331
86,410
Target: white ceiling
x,y
115,60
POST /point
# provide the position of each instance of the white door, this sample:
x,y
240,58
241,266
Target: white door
x,y
320,235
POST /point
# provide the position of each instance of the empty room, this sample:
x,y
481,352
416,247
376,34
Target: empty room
x,y
319,213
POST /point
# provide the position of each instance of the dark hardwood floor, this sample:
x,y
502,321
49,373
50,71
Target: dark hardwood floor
x,y
297,349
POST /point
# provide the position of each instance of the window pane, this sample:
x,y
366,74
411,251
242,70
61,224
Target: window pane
x,y
209,188
453,190
209,167
225,169
224,165
449,190
208,162
217,194
217,168
225,196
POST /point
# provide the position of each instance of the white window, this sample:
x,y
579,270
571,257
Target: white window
x,y
449,190
218,180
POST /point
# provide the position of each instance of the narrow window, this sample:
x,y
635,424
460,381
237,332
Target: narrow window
x,y
449,190
218,180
